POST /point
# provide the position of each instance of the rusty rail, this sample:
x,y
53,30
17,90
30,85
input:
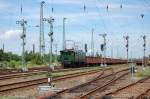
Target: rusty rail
x,y
24,74
73,88
23,84
139,81
114,79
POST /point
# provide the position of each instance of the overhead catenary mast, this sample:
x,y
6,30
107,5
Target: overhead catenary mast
x,y
3,47
64,35
55,52
112,52
42,40
92,43
33,49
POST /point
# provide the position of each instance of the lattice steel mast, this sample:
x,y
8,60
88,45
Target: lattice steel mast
x,y
23,36
42,40
64,35
92,43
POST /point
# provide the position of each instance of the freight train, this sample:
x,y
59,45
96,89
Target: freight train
x,y
77,58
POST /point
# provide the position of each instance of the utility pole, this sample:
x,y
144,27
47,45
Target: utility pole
x,y
127,47
103,48
42,41
64,39
92,43
50,34
23,36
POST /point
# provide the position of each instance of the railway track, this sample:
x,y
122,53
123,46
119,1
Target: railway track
x,y
25,74
85,90
14,71
35,69
18,75
23,84
135,90
144,95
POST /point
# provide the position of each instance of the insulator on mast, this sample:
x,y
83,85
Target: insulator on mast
x,y
107,8
121,6
52,9
84,8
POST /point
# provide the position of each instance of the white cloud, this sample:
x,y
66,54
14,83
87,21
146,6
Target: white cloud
x,y
10,34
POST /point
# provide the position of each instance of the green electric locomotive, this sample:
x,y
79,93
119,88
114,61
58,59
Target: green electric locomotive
x,y
72,58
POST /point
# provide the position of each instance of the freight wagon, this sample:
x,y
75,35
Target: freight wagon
x,y
99,60
77,58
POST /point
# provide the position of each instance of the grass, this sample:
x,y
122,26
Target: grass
x,y
144,73
7,97
84,69
76,71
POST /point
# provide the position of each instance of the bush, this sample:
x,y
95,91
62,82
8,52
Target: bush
x,y
12,64
37,60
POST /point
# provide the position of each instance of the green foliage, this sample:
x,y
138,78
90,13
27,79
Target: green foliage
x,y
7,56
12,64
10,60
144,73
38,60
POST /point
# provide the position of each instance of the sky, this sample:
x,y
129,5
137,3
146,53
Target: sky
x,y
116,22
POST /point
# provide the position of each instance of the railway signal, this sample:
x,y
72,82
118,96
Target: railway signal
x,y
103,49
127,47
85,47
23,36
50,34
144,49
144,45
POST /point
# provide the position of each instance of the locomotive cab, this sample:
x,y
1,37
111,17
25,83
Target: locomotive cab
x,y
72,58
67,57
